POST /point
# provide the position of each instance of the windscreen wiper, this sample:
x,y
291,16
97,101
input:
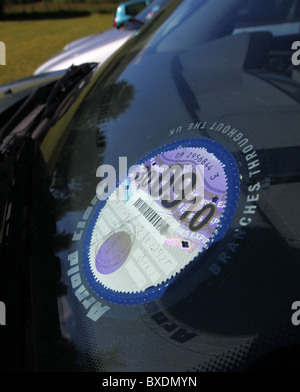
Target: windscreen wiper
x,y
44,102
16,136
73,76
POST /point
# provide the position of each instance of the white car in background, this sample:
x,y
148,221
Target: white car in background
x,y
99,47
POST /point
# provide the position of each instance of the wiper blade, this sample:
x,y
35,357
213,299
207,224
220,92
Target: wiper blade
x,y
73,76
48,98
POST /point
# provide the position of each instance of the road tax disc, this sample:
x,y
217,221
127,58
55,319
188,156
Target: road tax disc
x,y
171,207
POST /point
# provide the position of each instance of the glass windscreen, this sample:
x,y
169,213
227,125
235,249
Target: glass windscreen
x,y
153,284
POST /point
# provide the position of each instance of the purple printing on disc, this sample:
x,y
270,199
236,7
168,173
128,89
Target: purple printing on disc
x,y
113,253
155,223
215,189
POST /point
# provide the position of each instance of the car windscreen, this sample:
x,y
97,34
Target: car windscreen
x,y
152,284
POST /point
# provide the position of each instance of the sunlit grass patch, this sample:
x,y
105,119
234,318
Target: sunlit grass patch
x,y
29,43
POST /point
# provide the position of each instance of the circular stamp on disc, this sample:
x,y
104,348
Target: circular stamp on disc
x,y
113,253
172,206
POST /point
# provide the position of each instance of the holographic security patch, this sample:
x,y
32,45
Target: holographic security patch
x,y
178,201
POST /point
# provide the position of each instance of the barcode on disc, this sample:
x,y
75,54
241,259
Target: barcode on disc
x,y
157,222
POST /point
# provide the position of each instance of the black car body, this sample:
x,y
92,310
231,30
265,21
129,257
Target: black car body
x,y
188,87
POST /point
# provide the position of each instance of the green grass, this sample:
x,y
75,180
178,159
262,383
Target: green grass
x,y
40,8
29,43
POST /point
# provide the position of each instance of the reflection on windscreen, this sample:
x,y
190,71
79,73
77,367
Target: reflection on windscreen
x,y
280,17
272,26
216,69
151,10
